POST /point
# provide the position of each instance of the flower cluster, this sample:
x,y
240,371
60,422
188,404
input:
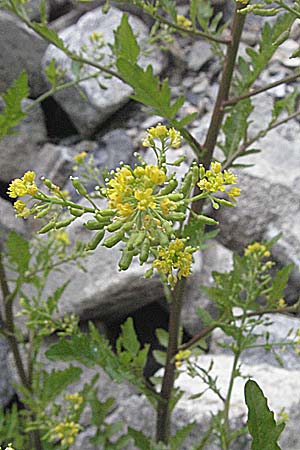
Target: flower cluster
x,y
168,137
257,249
184,22
181,356
214,180
21,187
66,432
80,157
75,399
130,190
176,257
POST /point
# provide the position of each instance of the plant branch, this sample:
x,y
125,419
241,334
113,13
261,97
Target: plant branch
x,y
192,31
255,138
252,92
224,87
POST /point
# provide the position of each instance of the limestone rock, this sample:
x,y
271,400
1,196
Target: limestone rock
x,y
19,152
199,55
20,49
9,221
88,114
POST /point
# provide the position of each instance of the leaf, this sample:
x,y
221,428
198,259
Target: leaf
x,y
205,317
54,382
18,252
12,112
50,35
162,336
79,348
148,89
128,338
169,6
259,58
140,439
236,126
125,44
160,356
261,424
180,436
279,283
99,409
286,104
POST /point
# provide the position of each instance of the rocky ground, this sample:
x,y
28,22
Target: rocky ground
x,y
110,126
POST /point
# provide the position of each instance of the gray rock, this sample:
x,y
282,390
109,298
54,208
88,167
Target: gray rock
x,y
114,146
9,221
55,162
278,330
20,49
88,114
19,152
199,55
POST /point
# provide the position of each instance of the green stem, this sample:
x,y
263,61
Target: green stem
x,y
8,299
164,408
252,92
225,83
225,441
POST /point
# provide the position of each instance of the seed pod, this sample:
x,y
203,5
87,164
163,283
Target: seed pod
x,y
186,184
176,216
48,183
125,260
42,213
47,227
63,223
206,220
76,212
106,212
140,238
93,225
96,240
144,251
115,225
176,197
113,240
131,240
170,187
195,174
168,227
162,238
79,186
103,220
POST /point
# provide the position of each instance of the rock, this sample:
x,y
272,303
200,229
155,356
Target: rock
x,y
284,53
19,152
20,49
88,114
8,220
214,257
199,55
114,146
56,163
278,331
6,390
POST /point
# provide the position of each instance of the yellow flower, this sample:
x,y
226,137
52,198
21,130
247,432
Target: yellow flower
x,y
62,236
22,210
257,248
175,257
17,188
182,355
214,180
80,157
167,205
281,303
156,175
29,177
164,134
175,138
234,192
66,432
145,199
184,22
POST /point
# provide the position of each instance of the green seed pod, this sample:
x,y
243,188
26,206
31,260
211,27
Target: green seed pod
x,y
42,213
131,241
76,212
106,212
113,240
96,240
176,197
162,238
93,225
223,202
170,187
103,220
125,260
47,227
48,183
79,186
195,174
64,223
186,184
149,273
127,226
140,238
168,227
145,248
206,220
115,225
176,216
